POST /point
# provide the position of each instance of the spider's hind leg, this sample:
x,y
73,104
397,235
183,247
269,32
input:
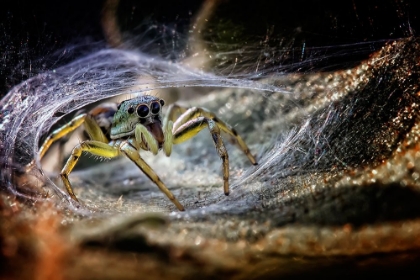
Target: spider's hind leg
x,y
93,129
57,134
194,126
61,132
193,120
195,112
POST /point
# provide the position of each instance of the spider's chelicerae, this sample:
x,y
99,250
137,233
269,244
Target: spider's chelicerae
x,y
136,124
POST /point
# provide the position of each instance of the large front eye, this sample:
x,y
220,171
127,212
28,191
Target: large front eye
x,y
143,111
155,108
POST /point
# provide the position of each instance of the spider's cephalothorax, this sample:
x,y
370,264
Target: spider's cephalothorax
x,y
136,124
145,111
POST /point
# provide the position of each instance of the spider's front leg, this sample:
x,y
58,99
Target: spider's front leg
x,y
133,154
94,147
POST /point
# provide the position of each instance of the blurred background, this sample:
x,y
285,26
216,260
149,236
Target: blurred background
x,y
44,34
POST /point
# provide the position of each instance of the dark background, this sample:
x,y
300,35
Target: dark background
x,y
40,35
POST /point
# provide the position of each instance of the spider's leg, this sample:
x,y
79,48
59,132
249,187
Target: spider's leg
x,y
174,111
91,127
133,154
94,147
61,132
196,112
239,141
94,130
194,126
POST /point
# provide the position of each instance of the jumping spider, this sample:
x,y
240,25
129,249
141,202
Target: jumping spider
x,y
136,124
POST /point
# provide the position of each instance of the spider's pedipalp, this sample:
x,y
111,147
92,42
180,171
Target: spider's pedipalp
x,y
169,137
145,137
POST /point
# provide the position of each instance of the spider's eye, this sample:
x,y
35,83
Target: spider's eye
x,y
155,108
143,111
162,102
130,110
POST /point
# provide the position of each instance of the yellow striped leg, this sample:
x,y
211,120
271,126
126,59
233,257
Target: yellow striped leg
x,y
94,147
146,137
133,154
196,112
94,130
174,111
192,127
57,134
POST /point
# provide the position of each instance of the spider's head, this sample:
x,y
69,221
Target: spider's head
x,y
145,110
